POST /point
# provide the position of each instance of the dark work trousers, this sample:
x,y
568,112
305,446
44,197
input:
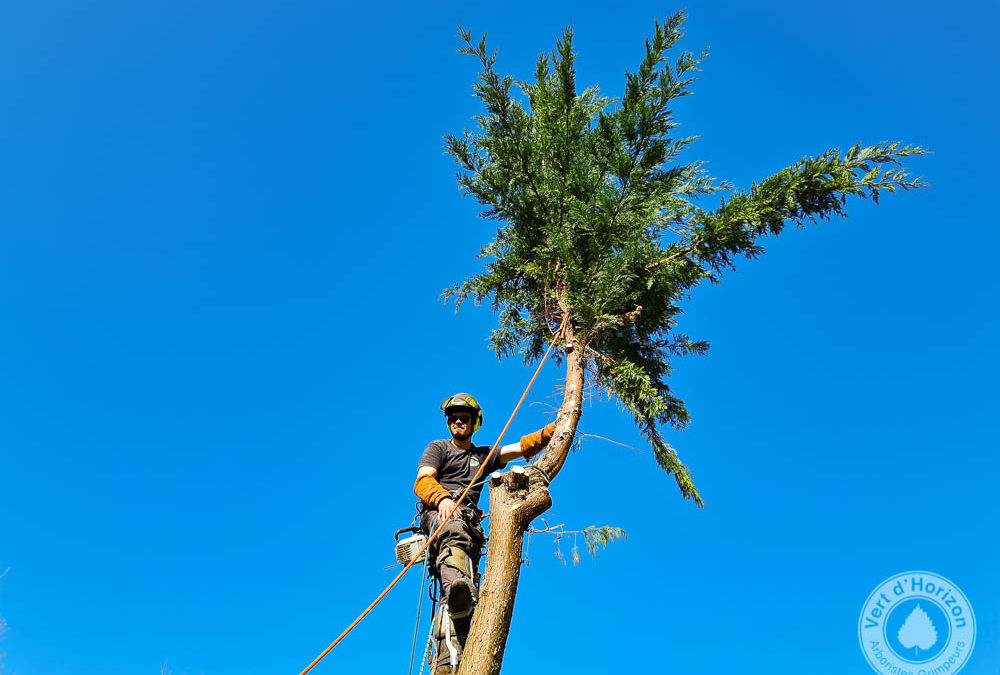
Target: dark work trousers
x,y
464,531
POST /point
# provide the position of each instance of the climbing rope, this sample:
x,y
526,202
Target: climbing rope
x,y
458,502
425,661
416,626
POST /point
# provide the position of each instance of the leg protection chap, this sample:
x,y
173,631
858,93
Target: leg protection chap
x,y
457,559
457,573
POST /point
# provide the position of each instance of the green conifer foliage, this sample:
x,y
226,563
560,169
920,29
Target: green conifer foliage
x,y
600,221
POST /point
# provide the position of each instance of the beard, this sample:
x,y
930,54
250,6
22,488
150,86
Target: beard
x,y
462,435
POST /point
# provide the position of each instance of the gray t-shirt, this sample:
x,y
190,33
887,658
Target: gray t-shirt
x,y
456,467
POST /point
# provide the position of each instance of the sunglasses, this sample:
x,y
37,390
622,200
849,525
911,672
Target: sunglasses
x,y
459,418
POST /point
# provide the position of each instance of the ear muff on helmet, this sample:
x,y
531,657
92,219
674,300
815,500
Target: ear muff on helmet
x,y
465,402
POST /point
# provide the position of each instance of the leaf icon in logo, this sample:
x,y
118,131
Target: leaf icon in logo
x,y
917,632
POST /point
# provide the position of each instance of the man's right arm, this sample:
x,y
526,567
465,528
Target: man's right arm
x,y
431,491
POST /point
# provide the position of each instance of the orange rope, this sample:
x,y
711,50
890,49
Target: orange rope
x,y
496,446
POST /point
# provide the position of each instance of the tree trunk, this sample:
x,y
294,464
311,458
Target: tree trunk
x,y
516,499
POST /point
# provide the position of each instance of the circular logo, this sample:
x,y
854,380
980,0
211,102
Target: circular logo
x,y
917,623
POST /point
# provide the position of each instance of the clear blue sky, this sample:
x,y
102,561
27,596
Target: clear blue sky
x,y
224,228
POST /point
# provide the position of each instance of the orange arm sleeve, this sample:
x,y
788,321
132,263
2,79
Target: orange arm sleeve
x,y
429,490
532,444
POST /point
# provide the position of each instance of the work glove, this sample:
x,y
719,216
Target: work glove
x,y
430,491
532,444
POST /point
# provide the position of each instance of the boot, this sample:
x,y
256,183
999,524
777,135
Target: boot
x,y
461,598
450,643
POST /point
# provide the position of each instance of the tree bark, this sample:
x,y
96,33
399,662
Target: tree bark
x,y
516,499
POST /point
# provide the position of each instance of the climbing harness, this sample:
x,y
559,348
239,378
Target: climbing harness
x,y
434,534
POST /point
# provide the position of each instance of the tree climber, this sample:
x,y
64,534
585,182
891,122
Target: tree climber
x,y
447,467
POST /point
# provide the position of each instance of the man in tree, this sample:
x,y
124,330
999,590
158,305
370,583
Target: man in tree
x,y
447,467
603,233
